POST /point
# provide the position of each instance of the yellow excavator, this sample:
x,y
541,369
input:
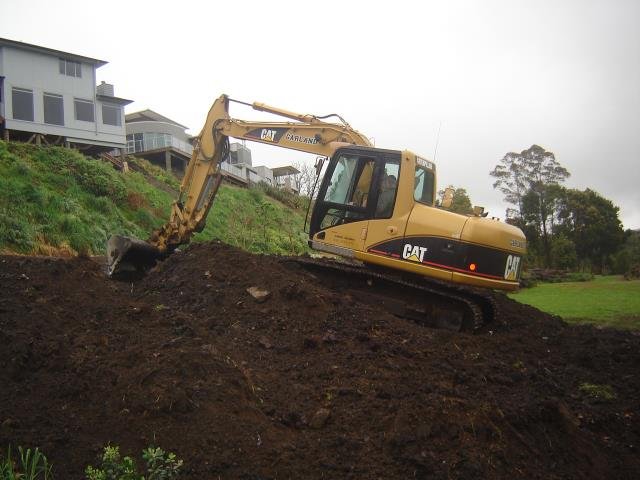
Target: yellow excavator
x,y
374,206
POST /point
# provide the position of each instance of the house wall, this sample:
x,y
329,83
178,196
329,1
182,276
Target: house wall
x,y
179,138
40,73
265,173
239,154
157,127
2,88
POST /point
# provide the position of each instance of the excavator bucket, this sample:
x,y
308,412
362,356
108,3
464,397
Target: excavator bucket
x,y
127,256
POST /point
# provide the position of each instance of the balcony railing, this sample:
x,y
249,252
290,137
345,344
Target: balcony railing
x,y
154,142
254,177
233,170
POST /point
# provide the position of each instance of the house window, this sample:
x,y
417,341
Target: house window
x,y
70,68
111,115
22,101
135,142
84,110
53,109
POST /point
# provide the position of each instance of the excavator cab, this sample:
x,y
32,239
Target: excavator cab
x,y
360,184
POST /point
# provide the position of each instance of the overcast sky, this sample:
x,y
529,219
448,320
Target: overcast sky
x,y
492,76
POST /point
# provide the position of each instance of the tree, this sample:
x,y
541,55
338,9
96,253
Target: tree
x,y
305,179
563,252
539,205
591,222
627,259
461,202
530,180
519,173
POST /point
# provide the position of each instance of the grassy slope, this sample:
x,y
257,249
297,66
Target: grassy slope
x,y
607,300
56,201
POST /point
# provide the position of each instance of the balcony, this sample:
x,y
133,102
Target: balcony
x,y
146,142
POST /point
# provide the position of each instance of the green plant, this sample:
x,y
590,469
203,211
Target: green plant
x,y
290,199
30,465
598,392
15,233
579,277
113,467
160,466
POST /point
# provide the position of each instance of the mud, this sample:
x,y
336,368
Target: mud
x,y
305,382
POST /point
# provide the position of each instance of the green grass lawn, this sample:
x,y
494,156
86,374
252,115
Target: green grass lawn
x,y
606,300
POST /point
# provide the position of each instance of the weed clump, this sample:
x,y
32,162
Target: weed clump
x,y
29,465
598,392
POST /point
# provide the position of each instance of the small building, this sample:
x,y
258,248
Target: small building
x,y
51,96
237,167
239,154
284,177
158,139
265,174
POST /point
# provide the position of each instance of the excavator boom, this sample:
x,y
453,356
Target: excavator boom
x,y
306,133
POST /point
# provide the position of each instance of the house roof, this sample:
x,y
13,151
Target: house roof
x,y
51,51
282,171
149,115
116,100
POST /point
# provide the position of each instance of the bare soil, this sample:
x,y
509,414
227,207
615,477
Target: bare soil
x,y
304,383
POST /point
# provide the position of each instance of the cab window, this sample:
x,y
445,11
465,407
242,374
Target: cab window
x,y
387,189
351,181
424,181
352,189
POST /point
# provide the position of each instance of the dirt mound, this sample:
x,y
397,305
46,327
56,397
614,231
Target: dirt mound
x,y
302,382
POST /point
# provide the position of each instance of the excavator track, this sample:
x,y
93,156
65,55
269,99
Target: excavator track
x,y
428,302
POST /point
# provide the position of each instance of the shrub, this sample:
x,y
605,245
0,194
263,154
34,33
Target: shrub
x,y
548,275
633,272
579,277
527,280
627,260
160,466
290,199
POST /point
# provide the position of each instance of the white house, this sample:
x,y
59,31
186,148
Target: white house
x,y
158,139
52,95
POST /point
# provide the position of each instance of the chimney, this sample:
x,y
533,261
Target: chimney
x,y
105,89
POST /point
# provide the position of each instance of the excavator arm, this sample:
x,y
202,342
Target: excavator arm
x,y
306,133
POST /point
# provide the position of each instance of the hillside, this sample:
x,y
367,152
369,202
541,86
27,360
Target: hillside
x,y
55,201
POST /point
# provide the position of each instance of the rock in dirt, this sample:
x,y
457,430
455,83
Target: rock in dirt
x,y
319,419
258,294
